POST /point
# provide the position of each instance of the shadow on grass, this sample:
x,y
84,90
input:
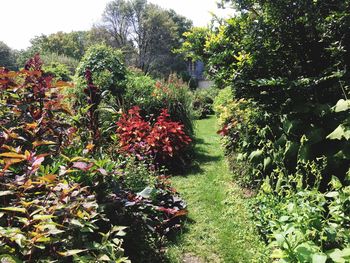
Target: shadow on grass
x,y
152,251
200,141
176,238
200,158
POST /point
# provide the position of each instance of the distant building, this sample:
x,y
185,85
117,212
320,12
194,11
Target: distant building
x,y
196,71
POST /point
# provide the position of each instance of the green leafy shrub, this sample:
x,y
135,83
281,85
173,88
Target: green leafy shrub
x,y
45,218
151,96
108,75
139,90
303,224
59,71
221,101
70,63
136,174
282,119
203,100
176,98
108,71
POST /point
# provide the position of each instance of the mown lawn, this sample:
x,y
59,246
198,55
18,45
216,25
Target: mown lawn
x,y
219,228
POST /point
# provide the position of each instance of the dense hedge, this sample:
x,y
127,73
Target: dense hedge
x,y
287,65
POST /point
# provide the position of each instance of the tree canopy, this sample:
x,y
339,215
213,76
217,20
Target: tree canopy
x,y
7,56
71,44
149,31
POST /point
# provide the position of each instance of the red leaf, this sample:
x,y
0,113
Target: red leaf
x,y
82,166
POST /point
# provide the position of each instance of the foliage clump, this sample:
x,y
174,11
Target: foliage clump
x,y
107,69
43,216
286,121
64,196
203,100
162,140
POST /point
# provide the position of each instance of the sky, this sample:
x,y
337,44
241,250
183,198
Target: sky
x,y
22,20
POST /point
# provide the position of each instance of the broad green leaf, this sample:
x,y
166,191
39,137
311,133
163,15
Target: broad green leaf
x,y
332,194
76,222
255,154
335,183
277,254
336,256
280,239
72,252
342,105
304,152
319,258
104,258
267,162
18,238
146,193
291,150
284,218
339,133
305,252
346,252
123,260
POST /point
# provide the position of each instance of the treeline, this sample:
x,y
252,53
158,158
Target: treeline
x,y
146,33
285,118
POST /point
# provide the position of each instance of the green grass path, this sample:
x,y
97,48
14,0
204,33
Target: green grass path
x,y
219,228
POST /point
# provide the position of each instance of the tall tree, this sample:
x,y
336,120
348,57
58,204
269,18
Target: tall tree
x,y
7,56
71,44
149,30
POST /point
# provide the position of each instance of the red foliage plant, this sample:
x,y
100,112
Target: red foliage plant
x,y
162,140
32,116
93,95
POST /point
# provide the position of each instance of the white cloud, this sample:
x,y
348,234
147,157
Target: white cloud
x,y
21,20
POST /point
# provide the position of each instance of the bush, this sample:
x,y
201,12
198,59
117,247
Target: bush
x,y
107,74
304,225
108,71
163,140
59,71
62,197
203,100
270,55
139,90
70,63
152,96
136,175
43,216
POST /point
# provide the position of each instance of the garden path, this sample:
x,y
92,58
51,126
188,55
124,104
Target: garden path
x,y
219,228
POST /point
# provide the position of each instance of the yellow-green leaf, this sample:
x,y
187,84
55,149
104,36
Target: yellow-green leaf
x,y
72,252
14,209
13,155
